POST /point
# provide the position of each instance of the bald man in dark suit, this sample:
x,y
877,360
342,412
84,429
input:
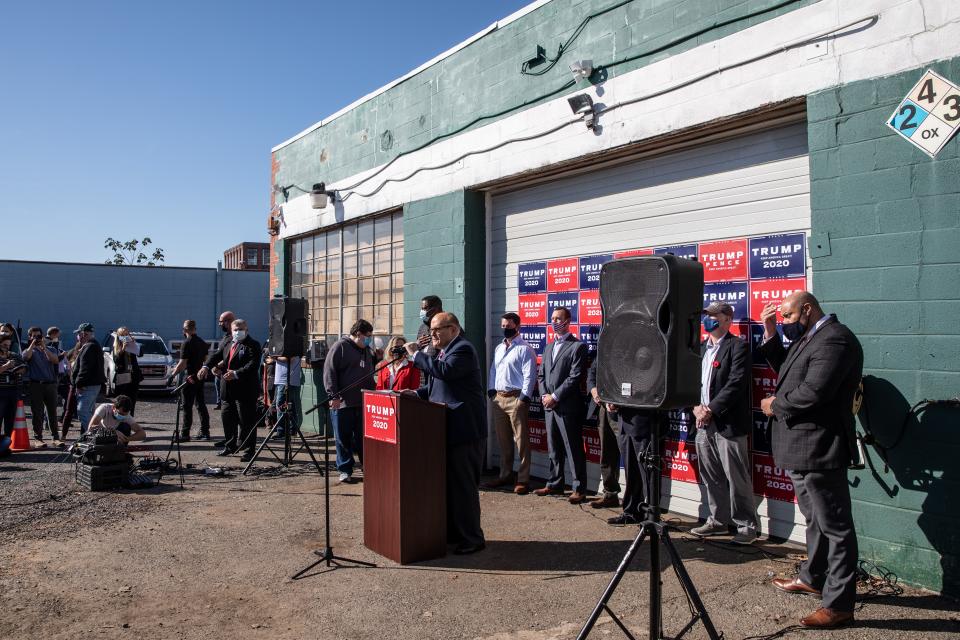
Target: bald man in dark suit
x,y
814,438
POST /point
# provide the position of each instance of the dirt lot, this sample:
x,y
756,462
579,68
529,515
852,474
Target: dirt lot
x,y
214,560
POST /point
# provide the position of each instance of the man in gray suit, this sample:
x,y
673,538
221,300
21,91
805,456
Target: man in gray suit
x,y
814,438
563,366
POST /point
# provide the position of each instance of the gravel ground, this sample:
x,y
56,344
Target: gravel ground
x,y
214,560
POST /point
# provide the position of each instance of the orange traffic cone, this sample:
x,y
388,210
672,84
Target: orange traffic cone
x,y
21,437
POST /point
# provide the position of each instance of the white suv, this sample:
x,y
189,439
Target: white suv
x,y
156,363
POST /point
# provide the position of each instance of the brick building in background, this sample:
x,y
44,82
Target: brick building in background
x,y
248,256
751,135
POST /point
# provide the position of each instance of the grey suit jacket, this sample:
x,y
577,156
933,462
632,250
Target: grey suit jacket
x,y
562,376
814,425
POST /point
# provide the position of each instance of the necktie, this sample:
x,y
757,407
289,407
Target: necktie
x,y
440,355
233,350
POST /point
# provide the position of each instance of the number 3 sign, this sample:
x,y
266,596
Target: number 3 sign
x,y
929,115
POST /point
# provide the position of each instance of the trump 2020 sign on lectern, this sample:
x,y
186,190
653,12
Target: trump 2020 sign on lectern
x,y
404,477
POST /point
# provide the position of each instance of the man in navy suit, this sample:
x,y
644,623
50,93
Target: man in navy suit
x,y
564,363
455,380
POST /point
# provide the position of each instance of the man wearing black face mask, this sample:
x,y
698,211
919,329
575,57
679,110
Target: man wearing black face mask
x,y
564,362
429,306
814,437
513,376
225,321
192,354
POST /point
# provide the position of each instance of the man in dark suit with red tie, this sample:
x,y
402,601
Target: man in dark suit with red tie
x,y
455,380
239,362
814,438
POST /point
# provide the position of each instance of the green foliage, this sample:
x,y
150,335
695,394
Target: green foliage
x,y
131,252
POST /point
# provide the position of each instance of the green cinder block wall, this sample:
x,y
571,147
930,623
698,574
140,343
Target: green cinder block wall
x,y
482,82
444,249
892,216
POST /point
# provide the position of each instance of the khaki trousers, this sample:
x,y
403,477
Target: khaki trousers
x,y
510,422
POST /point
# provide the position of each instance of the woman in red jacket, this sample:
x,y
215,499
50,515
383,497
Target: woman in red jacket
x,y
401,374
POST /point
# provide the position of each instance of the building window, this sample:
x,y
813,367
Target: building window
x,y
252,257
350,272
265,260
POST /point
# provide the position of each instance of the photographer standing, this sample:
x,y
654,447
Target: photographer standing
x,y
11,371
42,365
127,376
87,375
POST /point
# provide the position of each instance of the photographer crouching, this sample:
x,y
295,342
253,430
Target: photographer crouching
x,y
118,416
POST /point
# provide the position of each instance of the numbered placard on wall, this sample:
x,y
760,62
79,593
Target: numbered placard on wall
x,y
929,115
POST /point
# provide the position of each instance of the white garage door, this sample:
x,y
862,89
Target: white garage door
x,y
742,191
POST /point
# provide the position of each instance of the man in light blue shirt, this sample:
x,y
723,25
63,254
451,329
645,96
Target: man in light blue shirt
x,y
513,376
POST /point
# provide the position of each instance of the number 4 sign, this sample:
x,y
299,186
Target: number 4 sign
x,y
929,115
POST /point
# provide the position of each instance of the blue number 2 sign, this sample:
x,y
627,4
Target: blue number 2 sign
x,y
929,115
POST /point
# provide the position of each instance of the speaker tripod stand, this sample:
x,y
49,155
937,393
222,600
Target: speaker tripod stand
x,y
657,532
284,418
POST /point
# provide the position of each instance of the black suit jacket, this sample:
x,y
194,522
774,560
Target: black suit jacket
x,y
814,424
562,376
730,387
246,364
456,381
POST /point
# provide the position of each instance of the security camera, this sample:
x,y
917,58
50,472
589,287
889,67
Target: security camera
x,y
581,69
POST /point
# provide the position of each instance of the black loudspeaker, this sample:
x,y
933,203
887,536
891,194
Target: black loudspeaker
x,y
649,346
288,327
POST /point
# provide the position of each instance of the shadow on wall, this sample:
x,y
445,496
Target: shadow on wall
x,y
916,450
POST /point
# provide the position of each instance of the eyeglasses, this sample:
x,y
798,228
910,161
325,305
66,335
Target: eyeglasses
x,y
434,330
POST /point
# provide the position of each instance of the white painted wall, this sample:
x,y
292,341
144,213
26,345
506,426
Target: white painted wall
x,y
909,33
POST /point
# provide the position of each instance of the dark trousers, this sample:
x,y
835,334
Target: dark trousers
x,y
69,410
463,497
8,408
193,395
831,565
239,415
609,453
131,390
634,442
348,435
565,440
43,400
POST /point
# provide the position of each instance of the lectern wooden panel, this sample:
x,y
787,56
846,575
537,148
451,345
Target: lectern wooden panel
x,y
404,477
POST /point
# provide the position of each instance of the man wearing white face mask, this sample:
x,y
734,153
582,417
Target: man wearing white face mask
x,y
349,361
239,359
117,416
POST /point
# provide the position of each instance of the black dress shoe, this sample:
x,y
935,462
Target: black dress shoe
x,y
184,437
623,519
226,451
247,457
466,548
203,435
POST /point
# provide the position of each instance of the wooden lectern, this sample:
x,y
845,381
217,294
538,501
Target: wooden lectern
x,y
404,477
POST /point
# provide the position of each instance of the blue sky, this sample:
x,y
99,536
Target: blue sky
x,y
128,119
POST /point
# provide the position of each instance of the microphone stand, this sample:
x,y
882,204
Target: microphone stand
x,y
175,438
326,554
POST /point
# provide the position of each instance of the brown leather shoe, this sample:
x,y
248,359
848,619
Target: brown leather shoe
x,y
824,618
605,502
793,585
548,491
576,498
521,489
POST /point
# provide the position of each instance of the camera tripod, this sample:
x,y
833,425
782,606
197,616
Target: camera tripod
x,y
175,438
284,417
657,531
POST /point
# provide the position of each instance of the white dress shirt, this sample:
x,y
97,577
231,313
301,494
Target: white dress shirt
x,y
514,367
